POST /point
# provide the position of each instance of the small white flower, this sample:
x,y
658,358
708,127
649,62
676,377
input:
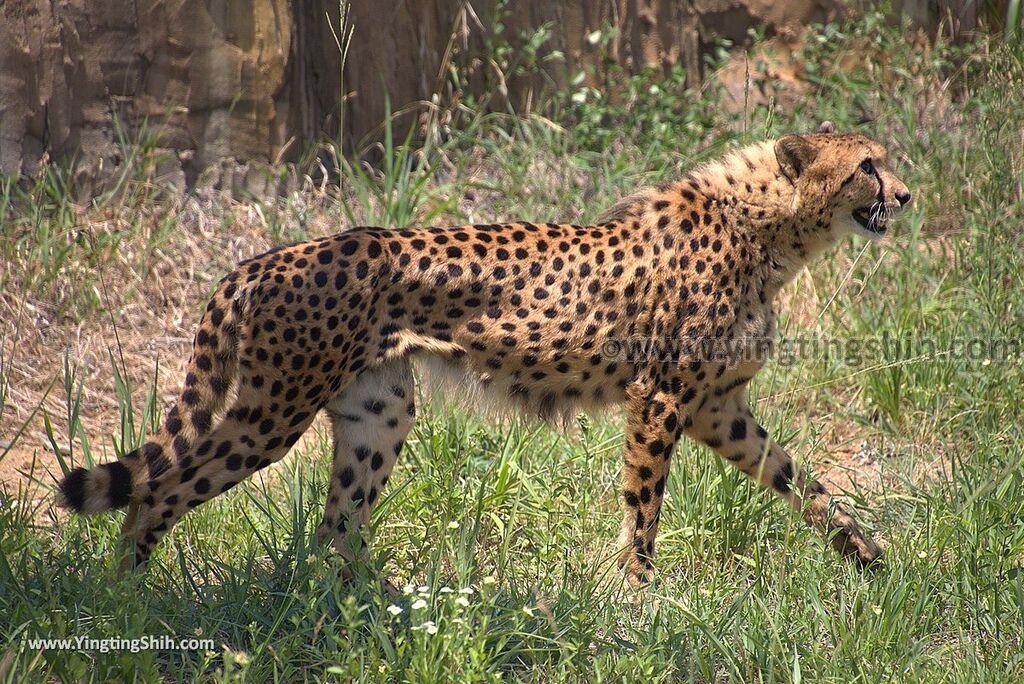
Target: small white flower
x,y
462,601
446,590
877,610
528,610
408,589
594,37
428,626
579,97
395,610
489,580
922,554
419,603
424,589
466,590
453,525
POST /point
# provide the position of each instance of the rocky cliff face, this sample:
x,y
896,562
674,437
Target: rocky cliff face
x,y
205,81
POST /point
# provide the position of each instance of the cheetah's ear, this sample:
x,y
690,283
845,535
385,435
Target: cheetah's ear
x,y
794,153
826,127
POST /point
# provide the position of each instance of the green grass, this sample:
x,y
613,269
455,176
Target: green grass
x,y
526,519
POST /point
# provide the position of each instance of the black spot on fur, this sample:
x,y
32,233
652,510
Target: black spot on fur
x,y
201,421
347,477
783,477
120,490
73,488
739,430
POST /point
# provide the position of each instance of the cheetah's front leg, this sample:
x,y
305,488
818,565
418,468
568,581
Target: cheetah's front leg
x,y
653,427
728,427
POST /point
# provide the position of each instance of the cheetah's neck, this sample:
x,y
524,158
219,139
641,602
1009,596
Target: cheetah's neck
x,y
762,206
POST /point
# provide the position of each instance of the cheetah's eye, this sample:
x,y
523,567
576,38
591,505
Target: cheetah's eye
x,y
867,167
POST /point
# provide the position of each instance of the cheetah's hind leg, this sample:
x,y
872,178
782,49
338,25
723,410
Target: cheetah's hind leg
x,y
370,420
249,438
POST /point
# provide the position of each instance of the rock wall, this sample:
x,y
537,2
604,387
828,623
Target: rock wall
x,y
200,80
203,81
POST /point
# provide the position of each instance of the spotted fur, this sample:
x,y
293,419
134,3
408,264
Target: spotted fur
x,y
522,312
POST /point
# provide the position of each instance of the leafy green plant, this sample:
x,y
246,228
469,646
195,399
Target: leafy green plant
x,y
1014,20
398,193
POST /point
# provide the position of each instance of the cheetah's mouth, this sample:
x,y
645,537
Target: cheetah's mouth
x,y
872,219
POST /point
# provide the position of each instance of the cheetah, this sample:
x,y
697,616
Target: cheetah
x,y
524,312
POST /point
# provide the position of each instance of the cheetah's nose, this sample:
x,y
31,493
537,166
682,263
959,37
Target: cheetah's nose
x,y
903,197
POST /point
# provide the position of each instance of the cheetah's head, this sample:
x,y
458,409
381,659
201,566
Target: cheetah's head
x,y
849,173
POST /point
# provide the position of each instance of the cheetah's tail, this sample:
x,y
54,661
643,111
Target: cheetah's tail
x,y
211,371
